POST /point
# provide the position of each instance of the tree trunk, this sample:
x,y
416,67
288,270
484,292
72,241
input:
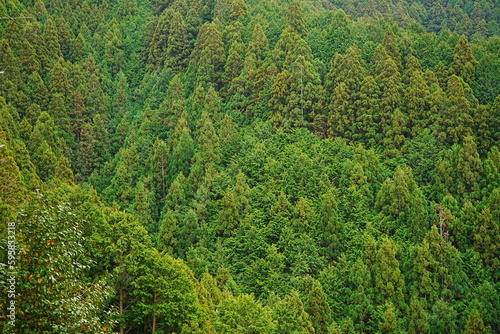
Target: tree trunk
x,y
154,313
120,292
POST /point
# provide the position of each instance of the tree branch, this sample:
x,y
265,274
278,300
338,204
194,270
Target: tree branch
x,y
16,18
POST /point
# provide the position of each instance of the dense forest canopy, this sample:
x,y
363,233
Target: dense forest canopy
x,y
250,166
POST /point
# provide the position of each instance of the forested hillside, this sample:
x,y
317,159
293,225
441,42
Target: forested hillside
x,y
250,166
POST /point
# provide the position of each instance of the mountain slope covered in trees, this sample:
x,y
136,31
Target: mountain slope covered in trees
x,y
250,166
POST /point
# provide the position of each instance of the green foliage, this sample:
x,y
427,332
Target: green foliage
x,y
265,166
403,205
291,316
49,264
295,18
165,293
243,314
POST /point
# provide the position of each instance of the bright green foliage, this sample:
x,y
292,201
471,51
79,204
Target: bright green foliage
x,y
233,33
234,64
295,95
113,50
415,98
168,230
361,304
243,314
259,44
119,188
169,27
170,111
59,79
320,166
9,66
295,18
366,126
443,318
52,39
11,189
27,57
289,47
388,322
389,282
212,105
40,10
38,42
349,69
456,173
65,36
474,323
50,262
96,100
229,138
403,205
143,205
390,89
46,161
176,196
178,43
221,10
87,153
483,128
464,63
331,232
456,119
239,9
103,144
164,288
341,112
438,267
487,239
182,154
208,148
291,316
486,304
63,171
469,166
235,206
209,55
417,321
229,215
391,47
158,165
37,91
125,246
396,134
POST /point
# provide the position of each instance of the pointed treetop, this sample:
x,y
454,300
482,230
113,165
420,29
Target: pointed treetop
x,y
391,46
413,64
464,63
295,18
239,9
259,44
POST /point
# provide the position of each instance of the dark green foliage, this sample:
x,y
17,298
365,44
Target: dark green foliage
x,y
265,166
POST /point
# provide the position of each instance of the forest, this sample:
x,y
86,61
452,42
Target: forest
x,y
250,166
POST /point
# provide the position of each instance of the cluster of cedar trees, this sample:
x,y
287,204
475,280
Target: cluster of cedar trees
x,y
224,166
